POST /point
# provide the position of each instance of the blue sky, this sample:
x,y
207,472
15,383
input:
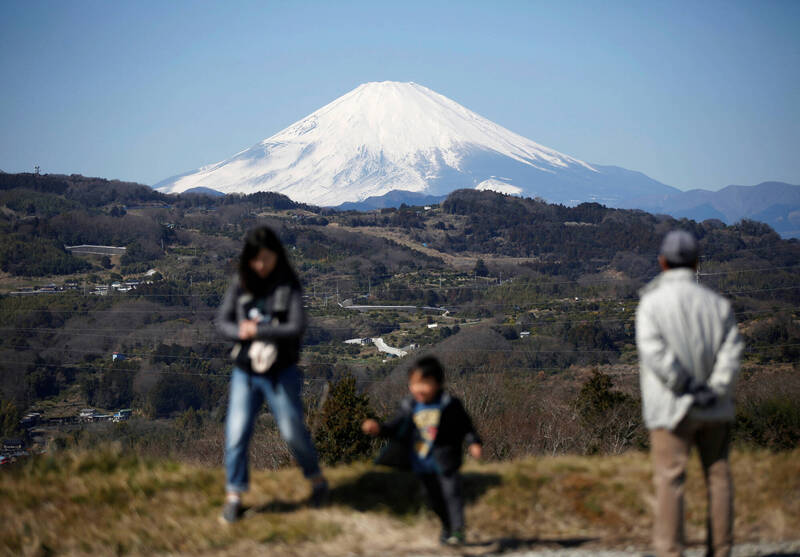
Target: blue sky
x,y
694,94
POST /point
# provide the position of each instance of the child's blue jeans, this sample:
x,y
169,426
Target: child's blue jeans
x,y
282,394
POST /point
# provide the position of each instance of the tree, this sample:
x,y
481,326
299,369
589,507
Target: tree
x,y
596,397
611,418
339,437
480,268
42,383
116,385
175,393
189,420
9,419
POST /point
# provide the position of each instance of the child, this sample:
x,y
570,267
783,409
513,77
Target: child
x,y
427,436
262,312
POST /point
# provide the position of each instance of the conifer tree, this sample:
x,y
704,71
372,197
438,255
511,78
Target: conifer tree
x,y
338,436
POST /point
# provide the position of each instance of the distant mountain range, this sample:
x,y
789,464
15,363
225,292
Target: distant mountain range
x,y
394,198
776,203
388,143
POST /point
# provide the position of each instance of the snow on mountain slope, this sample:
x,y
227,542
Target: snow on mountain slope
x,y
389,136
493,184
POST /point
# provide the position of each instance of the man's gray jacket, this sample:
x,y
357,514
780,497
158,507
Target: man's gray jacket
x,y
685,331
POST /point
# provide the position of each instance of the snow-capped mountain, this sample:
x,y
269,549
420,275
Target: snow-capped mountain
x,y
390,136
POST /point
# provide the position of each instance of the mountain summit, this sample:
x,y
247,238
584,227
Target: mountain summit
x,y
387,136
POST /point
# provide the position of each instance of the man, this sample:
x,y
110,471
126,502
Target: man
x,y
689,352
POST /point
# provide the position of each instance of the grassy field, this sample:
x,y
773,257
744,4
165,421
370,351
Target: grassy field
x,y
107,502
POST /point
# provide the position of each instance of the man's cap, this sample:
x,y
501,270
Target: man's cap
x,y
679,248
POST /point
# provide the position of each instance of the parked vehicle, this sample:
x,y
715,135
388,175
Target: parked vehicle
x,y
87,415
122,415
30,419
10,445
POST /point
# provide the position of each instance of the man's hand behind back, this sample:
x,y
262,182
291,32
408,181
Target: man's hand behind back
x,y
702,394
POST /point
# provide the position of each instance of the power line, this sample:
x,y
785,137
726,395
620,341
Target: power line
x,y
485,286
760,290
747,250
471,305
750,270
216,339
226,375
311,358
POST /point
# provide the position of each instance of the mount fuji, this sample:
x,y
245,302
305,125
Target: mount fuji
x,y
388,137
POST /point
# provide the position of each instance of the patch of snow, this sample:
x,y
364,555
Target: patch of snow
x,y
499,186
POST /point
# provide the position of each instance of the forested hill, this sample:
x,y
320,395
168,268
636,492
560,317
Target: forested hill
x,y
88,193
521,299
84,191
42,214
573,241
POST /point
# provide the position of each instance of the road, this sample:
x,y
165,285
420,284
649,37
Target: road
x,y
383,347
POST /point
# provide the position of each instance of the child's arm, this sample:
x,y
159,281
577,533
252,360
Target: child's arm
x,y
474,443
475,450
387,429
371,427
226,314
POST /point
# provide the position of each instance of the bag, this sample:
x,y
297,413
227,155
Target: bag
x,y
262,355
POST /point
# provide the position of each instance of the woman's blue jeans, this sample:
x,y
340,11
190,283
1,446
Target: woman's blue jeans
x,y
282,393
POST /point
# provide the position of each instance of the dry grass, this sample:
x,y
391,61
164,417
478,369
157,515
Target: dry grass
x,y
110,503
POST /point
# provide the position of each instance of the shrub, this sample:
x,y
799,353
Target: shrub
x,y
772,422
175,393
612,419
338,436
9,419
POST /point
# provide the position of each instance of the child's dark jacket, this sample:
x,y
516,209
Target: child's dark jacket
x,y
455,427
281,301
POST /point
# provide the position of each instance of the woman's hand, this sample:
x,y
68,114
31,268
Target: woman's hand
x,y
475,451
371,427
247,329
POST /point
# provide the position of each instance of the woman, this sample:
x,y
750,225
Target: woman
x,y
262,311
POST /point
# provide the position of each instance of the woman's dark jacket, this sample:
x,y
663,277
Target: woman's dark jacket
x,y
455,427
285,322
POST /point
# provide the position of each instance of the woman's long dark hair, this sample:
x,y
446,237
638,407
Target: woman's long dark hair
x,y
256,239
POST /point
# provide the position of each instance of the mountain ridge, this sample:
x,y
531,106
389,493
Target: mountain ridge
x,y
776,203
387,143
385,136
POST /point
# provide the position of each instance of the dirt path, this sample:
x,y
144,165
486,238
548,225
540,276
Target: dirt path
x,y
760,549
